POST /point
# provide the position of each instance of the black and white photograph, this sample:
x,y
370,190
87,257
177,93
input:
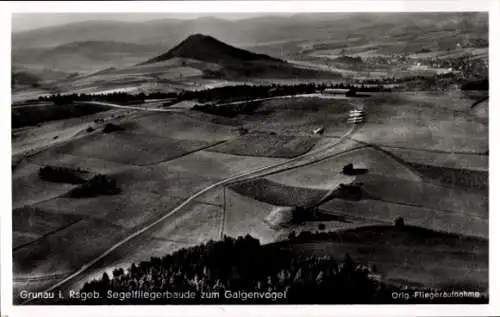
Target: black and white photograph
x,y
242,158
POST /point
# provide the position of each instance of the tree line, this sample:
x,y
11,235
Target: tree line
x,y
243,264
218,94
245,91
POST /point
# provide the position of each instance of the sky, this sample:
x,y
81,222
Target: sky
x,y
29,21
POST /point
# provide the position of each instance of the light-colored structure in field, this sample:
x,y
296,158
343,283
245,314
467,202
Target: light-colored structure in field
x,y
356,116
336,91
319,130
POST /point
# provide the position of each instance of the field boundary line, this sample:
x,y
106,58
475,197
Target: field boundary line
x,y
425,179
87,265
46,235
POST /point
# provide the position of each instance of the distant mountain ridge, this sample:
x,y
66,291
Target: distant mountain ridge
x,y
209,49
246,32
285,37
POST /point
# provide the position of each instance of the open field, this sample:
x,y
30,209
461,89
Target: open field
x,y
268,146
130,148
301,115
33,115
28,188
89,237
426,194
36,223
385,211
247,215
469,161
215,164
409,119
182,127
29,140
122,210
160,159
147,192
444,260
278,194
459,177
327,174
164,238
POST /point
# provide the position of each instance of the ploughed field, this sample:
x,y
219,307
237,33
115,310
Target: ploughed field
x,y
159,159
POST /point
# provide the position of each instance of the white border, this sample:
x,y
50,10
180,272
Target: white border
x,y
7,8
252,6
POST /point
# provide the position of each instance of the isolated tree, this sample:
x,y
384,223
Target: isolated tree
x,y
399,223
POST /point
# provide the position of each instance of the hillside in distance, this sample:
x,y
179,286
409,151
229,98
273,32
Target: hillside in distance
x,y
93,45
215,59
84,55
200,58
207,48
199,61
264,30
164,53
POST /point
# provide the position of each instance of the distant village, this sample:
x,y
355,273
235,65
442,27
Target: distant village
x,y
459,60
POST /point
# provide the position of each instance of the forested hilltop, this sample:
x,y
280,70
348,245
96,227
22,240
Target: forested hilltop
x,y
243,265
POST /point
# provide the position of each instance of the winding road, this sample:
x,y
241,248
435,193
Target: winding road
x,y
320,153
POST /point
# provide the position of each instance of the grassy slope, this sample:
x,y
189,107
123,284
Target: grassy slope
x,y
474,162
30,116
268,146
69,248
33,223
327,174
130,148
182,127
28,188
33,138
246,215
444,260
424,122
278,194
147,193
368,211
215,164
300,115
159,186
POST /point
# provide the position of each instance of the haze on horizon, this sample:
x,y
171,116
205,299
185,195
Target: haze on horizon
x,y
31,21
